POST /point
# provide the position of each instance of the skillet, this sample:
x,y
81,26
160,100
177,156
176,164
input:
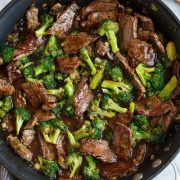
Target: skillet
x,y
166,22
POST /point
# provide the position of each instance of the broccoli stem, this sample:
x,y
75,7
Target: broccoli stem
x,y
69,88
171,51
71,139
132,107
90,161
19,124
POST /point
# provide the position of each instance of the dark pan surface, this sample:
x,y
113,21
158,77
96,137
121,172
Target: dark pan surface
x,y
166,22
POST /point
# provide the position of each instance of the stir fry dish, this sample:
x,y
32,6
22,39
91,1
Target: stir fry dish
x,y
85,91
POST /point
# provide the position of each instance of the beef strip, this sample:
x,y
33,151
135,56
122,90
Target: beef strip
x,y
19,148
28,136
142,52
32,18
151,106
6,89
27,46
56,9
47,149
83,96
102,48
73,43
50,102
42,115
146,22
31,123
18,99
9,123
139,88
67,65
122,137
61,152
152,38
64,21
128,30
98,149
35,92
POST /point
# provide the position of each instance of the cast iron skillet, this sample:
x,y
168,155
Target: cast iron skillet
x,y
166,22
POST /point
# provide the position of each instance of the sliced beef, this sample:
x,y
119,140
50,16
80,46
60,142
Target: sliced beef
x,y
83,96
151,106
139,88
18,99
27,46
35,92
61,152
50,102
176,70
142,52
73,43
31,123
32,18
28,136
19,148
98,149
64,21
56,9
9,123
42,115
67,65
6,89
122,138
128,30
146,22
151,37
46,148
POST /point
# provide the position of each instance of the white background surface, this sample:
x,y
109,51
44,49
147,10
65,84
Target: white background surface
x,y
172,172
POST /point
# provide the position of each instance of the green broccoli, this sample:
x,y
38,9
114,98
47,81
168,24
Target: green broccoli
x,y
59,77
115,73
171,51
48,167
5,106
72,140
157,135
49,81
58,108
59,93
24,60
6,52
166,92
21,115
90,172
69,110
73,161
84,55
99,74
164,60
141,121
46,21
27,70
124,97
132,107
69,88
144,73
109,29
52,48
44,65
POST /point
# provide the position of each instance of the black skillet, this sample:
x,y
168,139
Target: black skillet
x,y
166,22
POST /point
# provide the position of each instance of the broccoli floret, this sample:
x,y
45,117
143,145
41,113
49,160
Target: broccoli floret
x,y
48,167
74,33
6,53
157,135
58,108
144,73
166,92
44,65
109,104
90,172
21,115
5,106
59,77
115,73
52,48
49,81
171,51
99,74
84,55
24,60
59,93
46,21
73,161
124,97
69,110
141,121
27,70
109,29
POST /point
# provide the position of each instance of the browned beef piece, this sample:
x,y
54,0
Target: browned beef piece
x,y
28,136
142,52
146,22
18,99
122,137
31,123
42,115
27,46
13,71
64,21
83,96
32,18
61,152
6,89
102,48
176,70
56,9
67,65
165,119
139,88
151,106
152,38
46,148
128,30
49,103
98,149
35,92
73,43
9,123
19,148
